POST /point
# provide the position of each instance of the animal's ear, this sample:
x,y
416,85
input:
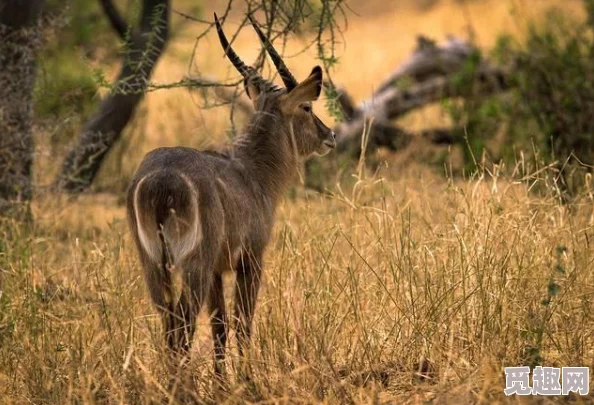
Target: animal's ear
x,y
307,90
251,89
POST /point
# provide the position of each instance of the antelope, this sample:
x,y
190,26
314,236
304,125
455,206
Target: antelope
x,y
200,213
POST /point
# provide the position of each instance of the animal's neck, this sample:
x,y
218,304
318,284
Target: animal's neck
x,y
266,152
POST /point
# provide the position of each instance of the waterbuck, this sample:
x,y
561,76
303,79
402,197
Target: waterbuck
x,y
200,213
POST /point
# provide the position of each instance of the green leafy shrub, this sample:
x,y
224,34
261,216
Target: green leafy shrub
x,y
78,36
555,90
476,118
551,106
66,84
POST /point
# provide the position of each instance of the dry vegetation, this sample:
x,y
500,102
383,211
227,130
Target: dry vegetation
x,y
405,286
359,289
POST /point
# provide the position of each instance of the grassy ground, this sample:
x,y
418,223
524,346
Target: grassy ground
x,y
405,286
360,289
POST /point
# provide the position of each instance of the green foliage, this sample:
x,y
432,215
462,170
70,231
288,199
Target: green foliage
x,y
539,318
79,22
556,85
476,117
552,104
332,104
67,84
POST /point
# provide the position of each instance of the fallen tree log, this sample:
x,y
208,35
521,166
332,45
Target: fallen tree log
x,y
434,72
394,103
431,60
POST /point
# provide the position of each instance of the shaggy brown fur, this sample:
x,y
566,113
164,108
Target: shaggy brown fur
x,y
201,213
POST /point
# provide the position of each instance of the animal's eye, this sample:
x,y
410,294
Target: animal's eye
x,y
306,108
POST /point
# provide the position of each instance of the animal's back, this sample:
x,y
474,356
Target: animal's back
x,y
163,205
196,197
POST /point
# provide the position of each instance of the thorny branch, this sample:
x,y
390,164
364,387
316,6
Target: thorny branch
x,y
144,46
282,18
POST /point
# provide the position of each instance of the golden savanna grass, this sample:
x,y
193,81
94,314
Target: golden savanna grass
x,y
402,286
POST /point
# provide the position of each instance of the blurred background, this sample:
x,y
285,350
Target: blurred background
x,y
513,77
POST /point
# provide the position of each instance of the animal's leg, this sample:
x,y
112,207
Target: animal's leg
x,y
218,321
197,283
160,287
249,272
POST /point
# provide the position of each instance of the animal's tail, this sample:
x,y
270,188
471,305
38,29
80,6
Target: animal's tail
x,y
167,216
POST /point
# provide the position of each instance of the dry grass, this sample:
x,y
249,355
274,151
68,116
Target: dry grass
x,y
359,288
407,287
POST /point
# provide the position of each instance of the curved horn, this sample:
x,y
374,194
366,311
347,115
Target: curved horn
x,y
233,57
283,71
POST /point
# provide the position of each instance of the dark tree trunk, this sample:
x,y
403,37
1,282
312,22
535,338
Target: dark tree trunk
x,y
144,47
19,40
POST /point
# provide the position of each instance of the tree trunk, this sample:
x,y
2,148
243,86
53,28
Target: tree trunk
x,y
144,47
19,40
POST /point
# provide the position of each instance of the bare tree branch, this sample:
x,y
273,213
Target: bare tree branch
x,y
223,91
100,133
395,102
115,18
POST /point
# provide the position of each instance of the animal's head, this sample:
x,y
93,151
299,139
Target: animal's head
x,y
291,106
